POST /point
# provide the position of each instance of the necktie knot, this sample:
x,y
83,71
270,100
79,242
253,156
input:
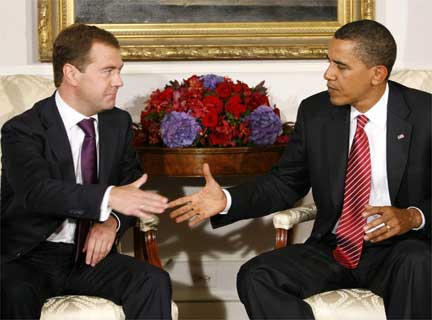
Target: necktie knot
x,y
87,126
362,120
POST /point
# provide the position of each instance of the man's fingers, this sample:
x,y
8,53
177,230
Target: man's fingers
x,y
207,173
374,224
179,202
140,181
181,212
153,197
187,216
196,220
152,207
89,249
370,211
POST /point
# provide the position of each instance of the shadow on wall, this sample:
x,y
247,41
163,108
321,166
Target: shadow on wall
x,y
190,253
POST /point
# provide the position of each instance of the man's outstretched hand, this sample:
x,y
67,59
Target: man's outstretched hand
x,y
132,201
201,205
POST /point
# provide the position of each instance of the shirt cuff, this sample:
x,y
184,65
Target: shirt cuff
x,y
105,210
229,201
423,219
118,220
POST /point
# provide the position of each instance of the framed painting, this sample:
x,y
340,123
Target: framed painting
x,y
206,29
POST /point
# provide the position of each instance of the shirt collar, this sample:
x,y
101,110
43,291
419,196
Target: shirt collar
x,y
69,115
378,113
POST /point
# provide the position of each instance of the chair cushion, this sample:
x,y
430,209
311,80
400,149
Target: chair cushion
x,y
347,304
81,308
419,79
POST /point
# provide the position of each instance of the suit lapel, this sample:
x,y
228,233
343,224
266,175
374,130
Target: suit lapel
x,y
107,136
337,131
58,139
398,139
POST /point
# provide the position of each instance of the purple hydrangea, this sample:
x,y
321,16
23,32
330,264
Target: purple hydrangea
x,y
265,125
179,129
210,81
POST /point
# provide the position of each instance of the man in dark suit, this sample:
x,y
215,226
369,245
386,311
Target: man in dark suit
x,y
67,161
364,148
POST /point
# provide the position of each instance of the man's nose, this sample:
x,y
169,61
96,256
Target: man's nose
x,y
330,74
117,81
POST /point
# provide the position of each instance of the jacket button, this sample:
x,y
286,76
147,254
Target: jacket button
x,y
76,212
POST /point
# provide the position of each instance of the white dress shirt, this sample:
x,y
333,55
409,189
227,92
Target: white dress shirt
x,y
70,117
376,131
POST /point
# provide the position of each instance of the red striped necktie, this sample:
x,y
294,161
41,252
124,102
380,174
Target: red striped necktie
x,y
349,232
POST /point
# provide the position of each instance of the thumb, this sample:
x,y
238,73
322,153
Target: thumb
x,y
207,173
140,181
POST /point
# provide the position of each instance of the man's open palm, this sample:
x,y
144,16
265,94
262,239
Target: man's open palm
x,y
201,205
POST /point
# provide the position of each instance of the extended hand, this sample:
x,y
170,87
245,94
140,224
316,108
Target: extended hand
x,y
100,240
132,201
394,222
201,205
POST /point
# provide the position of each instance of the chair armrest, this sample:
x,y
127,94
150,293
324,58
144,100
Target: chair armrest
x,y
145,244
287,219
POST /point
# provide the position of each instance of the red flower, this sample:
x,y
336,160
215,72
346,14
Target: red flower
x,y
213,103
256,100
210,119
218,104
224,89
235,107
283,139
222,135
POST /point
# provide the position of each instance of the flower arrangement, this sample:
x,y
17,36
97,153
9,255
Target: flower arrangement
x,y
210,111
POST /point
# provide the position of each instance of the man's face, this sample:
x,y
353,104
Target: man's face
x,y
99,82
349,80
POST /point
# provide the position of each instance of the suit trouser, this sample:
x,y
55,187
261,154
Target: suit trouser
x,y
274,284
144,291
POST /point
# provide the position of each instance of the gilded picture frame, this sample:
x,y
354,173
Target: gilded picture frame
x,y
299,39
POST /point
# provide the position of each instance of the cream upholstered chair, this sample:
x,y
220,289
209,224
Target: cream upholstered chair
x,y
18,93
344,304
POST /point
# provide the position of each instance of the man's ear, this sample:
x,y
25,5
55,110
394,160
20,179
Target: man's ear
x,y
379,76
71,74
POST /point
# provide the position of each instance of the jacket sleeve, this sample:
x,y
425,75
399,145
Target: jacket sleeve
x,y
279,189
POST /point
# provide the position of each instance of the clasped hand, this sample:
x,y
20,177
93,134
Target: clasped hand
x,y
392,222
201,205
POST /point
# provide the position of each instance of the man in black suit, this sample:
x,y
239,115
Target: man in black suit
x,y
57,176
393,256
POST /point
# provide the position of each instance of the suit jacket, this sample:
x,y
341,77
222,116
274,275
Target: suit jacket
x,y
316,157
38,186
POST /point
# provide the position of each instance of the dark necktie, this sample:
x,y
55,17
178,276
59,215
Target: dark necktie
x,y
89,175
349,232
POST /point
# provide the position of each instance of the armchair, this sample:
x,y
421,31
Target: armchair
x,y
17,93
347,304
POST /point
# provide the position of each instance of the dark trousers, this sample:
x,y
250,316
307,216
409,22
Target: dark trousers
x,y
144,291
274,284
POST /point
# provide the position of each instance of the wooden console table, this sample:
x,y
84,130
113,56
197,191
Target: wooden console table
x,y
187,162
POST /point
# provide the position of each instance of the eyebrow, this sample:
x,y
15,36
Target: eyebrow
x,y
340,63
113,67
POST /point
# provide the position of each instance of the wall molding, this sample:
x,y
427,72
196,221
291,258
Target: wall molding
x,y
200,67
